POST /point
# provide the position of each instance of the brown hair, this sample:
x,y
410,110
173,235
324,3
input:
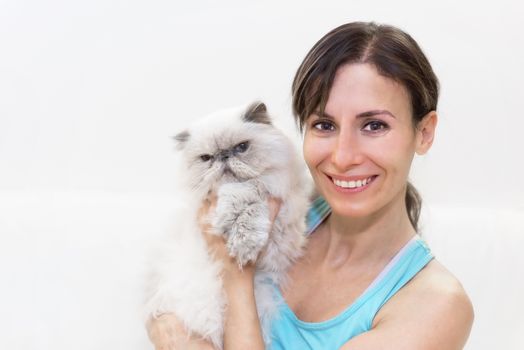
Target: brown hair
x,y
393,52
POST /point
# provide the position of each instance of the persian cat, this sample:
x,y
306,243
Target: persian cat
x,y
240,156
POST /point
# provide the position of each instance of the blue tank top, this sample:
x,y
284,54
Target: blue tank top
x,y
288,332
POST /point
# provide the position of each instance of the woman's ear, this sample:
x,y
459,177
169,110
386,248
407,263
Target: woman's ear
x,y
426,132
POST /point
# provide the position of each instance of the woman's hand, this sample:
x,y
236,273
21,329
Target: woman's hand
x,y
166,332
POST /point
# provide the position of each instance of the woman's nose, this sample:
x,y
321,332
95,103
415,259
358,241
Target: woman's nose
x,y
346,152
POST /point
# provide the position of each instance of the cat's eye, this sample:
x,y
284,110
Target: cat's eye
x,y
241,147
206,157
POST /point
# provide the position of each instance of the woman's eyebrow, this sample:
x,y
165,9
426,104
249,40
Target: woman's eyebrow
x,y
360,115
320,114
375,112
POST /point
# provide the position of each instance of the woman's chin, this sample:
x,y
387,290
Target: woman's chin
x,y
351,210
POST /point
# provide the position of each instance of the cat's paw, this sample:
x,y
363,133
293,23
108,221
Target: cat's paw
x,y
232,200
249,234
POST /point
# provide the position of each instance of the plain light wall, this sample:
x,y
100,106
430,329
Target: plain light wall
x,y
91,93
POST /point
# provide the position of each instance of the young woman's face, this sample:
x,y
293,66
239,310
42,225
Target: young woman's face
x,y
360,151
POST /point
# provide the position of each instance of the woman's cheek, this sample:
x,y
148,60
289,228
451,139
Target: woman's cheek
x,y
315,150
395,158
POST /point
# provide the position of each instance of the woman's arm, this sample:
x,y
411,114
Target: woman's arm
x,y
242,328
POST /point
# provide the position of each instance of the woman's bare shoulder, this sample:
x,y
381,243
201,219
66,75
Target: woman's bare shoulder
x,y
436,278
434,284
433,300
437,281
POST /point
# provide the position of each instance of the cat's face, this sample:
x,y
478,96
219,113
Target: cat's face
x,y
228,146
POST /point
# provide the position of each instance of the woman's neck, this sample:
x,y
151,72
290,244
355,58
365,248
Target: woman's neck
x,y
375,238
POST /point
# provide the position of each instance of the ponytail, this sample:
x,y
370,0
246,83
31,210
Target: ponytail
x,y
413,205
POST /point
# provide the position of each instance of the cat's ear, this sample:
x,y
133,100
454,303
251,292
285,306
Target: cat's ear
x,y
257,113
181,139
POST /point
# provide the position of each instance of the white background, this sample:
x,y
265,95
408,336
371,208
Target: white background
x,y
92,91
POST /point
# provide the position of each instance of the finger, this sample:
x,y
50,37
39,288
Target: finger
x,y
203,214
213,239
274,207
164,331
213,199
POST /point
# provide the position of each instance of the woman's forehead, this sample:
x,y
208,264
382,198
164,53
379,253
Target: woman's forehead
x,y
359,88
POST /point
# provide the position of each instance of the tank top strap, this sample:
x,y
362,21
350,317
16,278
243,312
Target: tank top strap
x,y
317,213
412,258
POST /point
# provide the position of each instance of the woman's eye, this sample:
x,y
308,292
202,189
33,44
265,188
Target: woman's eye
x,y
206,157
375,126
324,126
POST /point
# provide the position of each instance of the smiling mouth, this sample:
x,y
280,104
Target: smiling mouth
x,y
353,183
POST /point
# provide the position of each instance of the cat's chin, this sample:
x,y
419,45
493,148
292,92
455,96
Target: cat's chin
x,y
229,176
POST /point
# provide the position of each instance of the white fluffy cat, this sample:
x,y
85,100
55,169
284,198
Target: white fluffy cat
x,y
239,155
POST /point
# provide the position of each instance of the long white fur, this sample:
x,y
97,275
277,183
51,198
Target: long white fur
x,y
184,278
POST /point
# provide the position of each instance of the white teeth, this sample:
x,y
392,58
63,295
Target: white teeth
x,y
352,184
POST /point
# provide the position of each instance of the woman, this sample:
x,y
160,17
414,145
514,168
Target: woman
x,y
365,97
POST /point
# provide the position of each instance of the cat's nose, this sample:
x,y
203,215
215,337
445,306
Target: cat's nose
x,y
224,155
